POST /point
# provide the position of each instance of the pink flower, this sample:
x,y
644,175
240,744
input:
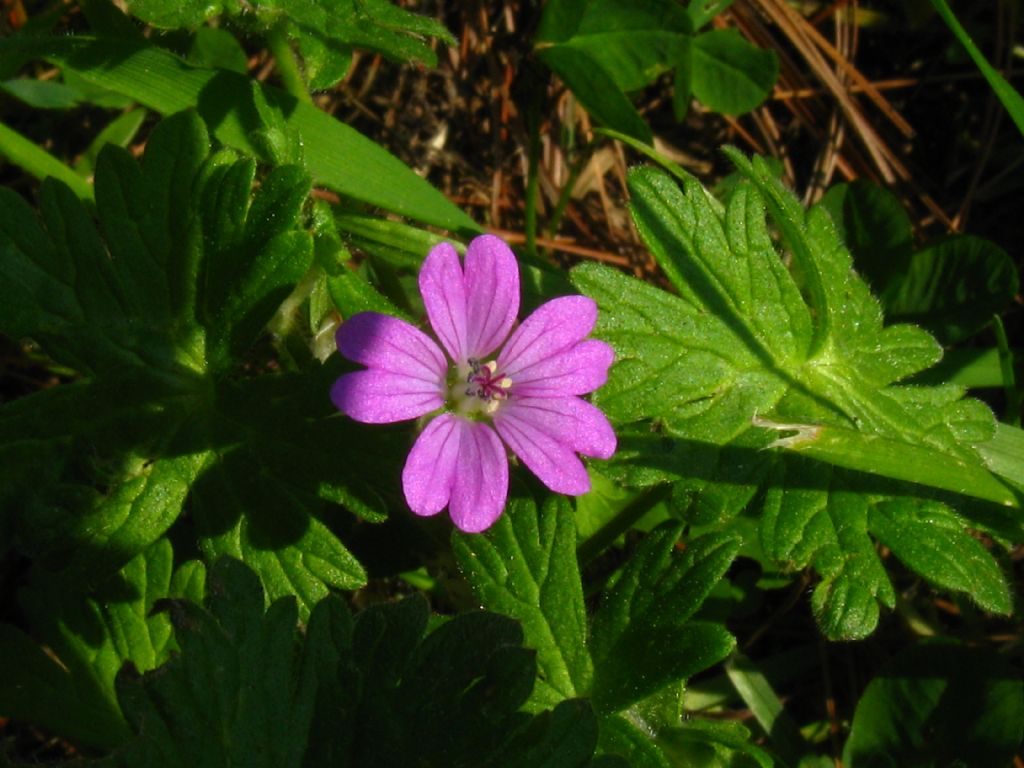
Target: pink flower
x,y
527,394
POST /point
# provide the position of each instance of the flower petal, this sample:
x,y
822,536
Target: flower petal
x,y
480,486
380,397
576,371
535,436
553,328
571,421
385,342
492,294
430,469
443,288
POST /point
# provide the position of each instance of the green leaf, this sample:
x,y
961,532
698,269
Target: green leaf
x,y
953,287
324,61
642,636
1004,454
595,87
243,689
938,704
633,42
697,345
621,737
248,689
42,94
258,517
730,75
161,314
327,31
218,49
36,688
748,344
931,540
525,567
266,500
164,15
352,293
453,697
897,459
152,226
71,690
252,266
102,531
604,49
813,515
712,743
874,226
336,156
758,694
703,11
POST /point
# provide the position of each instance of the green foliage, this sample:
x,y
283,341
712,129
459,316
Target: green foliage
x,y
951,287
325,31
939,704
159,315
644,637
772,417
248,689
41,94
526,568
37,162
335,155
749,345
604,50
713,743
70,689
1010,98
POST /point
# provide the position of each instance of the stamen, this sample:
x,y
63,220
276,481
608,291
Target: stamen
x,y
484,389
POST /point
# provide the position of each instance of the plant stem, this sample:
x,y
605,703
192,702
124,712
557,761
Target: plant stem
x,y
566,195
532,179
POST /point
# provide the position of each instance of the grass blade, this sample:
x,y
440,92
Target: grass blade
x,y
40,163
1012,100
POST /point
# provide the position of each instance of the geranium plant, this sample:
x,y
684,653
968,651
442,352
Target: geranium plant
x,y
250,357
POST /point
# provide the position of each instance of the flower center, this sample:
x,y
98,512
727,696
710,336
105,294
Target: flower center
x,y
479,387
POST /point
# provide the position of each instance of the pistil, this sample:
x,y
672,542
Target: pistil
x,y
483,387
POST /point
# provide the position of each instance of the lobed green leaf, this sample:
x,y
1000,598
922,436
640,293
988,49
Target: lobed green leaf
x,y
249,689
69,687
642,636
525,567
748,345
